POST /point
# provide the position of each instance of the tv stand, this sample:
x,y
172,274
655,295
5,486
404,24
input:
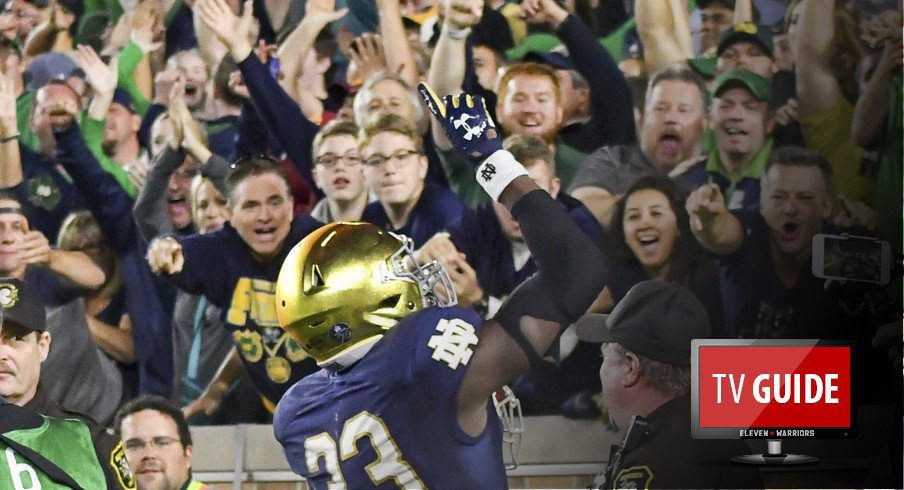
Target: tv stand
x,y
774,457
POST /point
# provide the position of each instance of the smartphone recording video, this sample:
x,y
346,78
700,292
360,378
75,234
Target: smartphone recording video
x,y
851,258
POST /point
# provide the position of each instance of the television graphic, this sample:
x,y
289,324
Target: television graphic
x,y
773,390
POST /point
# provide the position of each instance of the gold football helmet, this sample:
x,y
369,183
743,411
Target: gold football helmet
x,y
345,284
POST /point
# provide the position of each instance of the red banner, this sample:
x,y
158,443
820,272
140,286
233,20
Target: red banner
x,y
774,387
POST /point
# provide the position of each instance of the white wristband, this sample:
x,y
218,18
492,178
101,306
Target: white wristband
x,y
454,32
498,171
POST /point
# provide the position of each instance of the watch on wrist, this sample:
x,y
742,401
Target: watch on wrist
x,y
482,306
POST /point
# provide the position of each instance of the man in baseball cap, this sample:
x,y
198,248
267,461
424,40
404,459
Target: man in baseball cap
x,y
24,345
61,452
746,45
646,382
741,123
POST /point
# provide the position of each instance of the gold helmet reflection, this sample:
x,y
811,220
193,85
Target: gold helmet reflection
x,y
345,284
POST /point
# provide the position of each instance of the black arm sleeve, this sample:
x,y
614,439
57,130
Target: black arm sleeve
x,y
570,274
612,111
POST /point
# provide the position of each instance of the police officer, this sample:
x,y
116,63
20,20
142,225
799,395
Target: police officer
x,y
25,346
646,347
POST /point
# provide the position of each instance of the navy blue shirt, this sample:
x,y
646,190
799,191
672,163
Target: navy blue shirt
x,y
393,416
489,251
47,194
757,303
437,209
220,266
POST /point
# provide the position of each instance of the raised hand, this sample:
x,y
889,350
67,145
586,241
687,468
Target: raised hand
x,y
7,105
322,12
462,14
101,77
176,104
366,57
542,12
234,31
466,122
703,205
165,255
146,25
855,214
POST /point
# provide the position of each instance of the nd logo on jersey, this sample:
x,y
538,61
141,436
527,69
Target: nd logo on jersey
x,y
453,346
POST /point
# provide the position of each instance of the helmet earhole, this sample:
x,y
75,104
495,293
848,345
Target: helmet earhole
x,y
411,305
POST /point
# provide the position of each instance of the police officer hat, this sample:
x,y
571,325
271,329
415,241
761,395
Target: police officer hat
x,y
21,305
656,320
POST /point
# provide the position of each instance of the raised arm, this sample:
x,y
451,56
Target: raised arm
x,y
871,110
103,79
813,28
612,114
10,161
292,52
568,278
281,115
712,224
447,65
664,32
399,57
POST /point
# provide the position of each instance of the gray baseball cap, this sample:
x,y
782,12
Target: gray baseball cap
x,y
656,320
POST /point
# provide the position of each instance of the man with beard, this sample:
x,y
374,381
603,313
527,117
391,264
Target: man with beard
x,y
740,120
157,443
671,132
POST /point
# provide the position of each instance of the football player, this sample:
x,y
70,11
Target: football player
x,y
404,394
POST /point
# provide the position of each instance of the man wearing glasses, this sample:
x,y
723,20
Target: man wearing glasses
x,y
395,169
157,443
338,172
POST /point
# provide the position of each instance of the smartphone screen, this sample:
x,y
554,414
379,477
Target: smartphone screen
x,y
851,258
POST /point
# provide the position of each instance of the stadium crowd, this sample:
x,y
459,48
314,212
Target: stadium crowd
x,y
160,158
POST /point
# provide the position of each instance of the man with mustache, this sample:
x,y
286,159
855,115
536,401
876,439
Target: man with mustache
x,y
671,132
24,346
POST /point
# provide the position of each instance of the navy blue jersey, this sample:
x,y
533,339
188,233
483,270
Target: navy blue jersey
x,y
391,419
220,266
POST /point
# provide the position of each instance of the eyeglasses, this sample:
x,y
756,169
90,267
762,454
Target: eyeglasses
x,y
378,159
159,442
329,160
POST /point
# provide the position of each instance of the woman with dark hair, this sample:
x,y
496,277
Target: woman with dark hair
x,y
651,237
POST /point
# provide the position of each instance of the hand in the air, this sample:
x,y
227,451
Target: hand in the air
x,y
466,122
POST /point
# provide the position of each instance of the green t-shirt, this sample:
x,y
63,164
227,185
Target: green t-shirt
x,y
888,175
66,443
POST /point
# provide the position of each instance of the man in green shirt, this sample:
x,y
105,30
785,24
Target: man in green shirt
x,y
37,451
